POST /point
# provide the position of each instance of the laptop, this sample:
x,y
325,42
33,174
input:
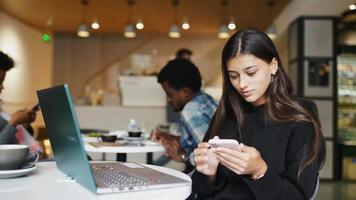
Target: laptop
x,y
67,145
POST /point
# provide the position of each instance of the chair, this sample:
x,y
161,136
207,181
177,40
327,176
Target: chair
x,y
313,197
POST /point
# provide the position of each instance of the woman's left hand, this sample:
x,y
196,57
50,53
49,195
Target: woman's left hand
x,y
247,160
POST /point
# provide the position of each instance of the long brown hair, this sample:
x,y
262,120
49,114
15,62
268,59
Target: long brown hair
x,y
280,106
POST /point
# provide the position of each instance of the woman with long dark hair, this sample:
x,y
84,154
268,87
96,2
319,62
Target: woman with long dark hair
x,y
281,146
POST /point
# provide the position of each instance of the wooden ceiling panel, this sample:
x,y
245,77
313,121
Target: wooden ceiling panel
x,y
205,16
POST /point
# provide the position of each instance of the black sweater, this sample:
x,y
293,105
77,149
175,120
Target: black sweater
x,y
281,146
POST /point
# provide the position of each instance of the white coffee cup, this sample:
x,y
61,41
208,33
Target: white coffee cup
x,y
13,156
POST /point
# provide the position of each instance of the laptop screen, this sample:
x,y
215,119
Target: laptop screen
x,y
63,130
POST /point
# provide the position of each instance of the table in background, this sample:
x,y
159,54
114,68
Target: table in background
x,y
121,151
47,182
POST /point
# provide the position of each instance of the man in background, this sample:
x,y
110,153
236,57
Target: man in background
x,y
184,53
181,81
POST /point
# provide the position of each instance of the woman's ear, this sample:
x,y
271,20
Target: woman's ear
x,y
274,66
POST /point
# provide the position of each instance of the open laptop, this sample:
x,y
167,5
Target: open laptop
x,y
71,158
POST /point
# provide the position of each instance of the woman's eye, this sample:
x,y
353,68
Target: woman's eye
x,y
251,73
233,76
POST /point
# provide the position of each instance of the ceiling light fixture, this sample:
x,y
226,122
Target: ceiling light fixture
x,y
129,28
95,24
139,23
185,24
271,30
352,6
232,24
83,28
223,30
174,31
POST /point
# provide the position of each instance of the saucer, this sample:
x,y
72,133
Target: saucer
x,y
134,138
16,172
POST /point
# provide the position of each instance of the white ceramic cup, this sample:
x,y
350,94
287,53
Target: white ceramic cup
x,y
13,156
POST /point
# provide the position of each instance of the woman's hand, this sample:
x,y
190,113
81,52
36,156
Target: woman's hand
x,y
246,161
205,160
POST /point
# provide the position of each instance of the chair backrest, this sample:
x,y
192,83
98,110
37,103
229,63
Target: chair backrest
x,y
313,197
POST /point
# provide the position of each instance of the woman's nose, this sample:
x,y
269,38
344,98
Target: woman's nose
x,y
243,82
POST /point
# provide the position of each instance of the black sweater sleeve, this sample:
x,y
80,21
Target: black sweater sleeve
x,y
291,184
203,188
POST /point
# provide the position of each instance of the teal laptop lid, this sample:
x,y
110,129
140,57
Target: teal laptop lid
x,y
63,130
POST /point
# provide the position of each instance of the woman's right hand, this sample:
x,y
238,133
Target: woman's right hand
x,y
205,160
22,116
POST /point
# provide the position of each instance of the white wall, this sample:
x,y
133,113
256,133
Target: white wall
x,y
298,8
33,63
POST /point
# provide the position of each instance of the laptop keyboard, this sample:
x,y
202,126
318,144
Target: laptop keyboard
x,y
113,178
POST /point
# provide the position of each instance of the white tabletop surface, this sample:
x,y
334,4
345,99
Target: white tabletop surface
x,y
48,183
149,146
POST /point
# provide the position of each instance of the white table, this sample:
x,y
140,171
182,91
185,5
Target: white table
x,y
149,147
47,182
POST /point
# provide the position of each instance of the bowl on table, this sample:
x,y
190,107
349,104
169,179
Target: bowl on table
x,y
135,134
108,138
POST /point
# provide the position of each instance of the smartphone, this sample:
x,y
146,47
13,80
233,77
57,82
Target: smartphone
x,y
36,107
227,143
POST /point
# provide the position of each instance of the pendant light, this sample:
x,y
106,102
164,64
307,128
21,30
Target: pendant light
x,y
185,24
83,30
139,23
352,6
174,31
232,25
95,24
223,30
129,31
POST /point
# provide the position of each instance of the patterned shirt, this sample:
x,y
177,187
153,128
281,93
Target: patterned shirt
x,y
194,121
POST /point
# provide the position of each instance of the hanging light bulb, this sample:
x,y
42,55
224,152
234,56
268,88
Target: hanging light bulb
x,y
232,24
174,31
185,24
139,24
352,6
95,24
223,32
129,31
83,30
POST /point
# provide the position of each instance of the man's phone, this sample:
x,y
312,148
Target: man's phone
x,y
227,143
36,107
